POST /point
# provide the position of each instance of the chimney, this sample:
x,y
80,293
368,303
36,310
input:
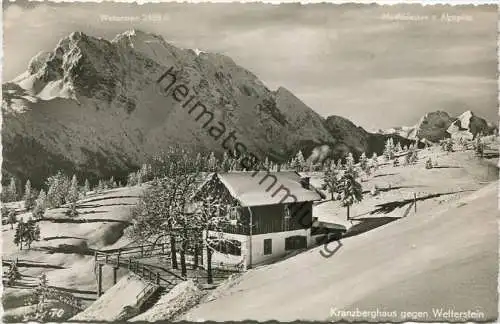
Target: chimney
x,y
305,182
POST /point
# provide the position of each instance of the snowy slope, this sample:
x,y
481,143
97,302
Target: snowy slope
x,y
120,302
444,258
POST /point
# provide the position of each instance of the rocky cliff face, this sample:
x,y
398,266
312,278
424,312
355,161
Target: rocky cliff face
x,y
438,125
353,138
94,107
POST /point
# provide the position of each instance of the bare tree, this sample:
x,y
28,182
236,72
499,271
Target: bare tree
x,y
212,217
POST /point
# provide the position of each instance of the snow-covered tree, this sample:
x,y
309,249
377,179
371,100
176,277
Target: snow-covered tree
x,y
58,188
73,196
447,145
374,161
31,232
86,187
29,199
398,147
389,149
19,233
212,163
299,162
226,162
349,161
40,205
339,164
12,194
26,233
363,162
413,154
331,180
351,190
132,179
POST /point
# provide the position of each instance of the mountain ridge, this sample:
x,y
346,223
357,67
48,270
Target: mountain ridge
x,y
437,125
94,107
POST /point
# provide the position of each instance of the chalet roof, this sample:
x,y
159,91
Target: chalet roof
x,y
252,188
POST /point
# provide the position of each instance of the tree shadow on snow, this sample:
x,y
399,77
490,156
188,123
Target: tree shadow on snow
x,y
368,224
84,206
62,237
84,220
391,206
107,198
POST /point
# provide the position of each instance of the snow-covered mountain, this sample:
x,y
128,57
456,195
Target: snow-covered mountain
x,y
100,108
94,107
435,126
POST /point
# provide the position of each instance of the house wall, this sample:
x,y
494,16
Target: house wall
x,y
218,258
278,245
278,248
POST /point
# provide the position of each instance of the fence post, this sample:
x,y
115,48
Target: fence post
x,y
95,257
143,271
157,278
99,280
118,258
115,269
106,258
163,248
415,201
129,263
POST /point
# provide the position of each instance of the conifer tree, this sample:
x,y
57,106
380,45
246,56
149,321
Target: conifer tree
x,y
29,200
19,233
363,162
351,190
31,232
226,162
132,179
349,161
40,205
389,149
301,161
339,164
58,185
72,197
12,190
11,216
86,187
294,164
374,161
212,162
332,181
398,147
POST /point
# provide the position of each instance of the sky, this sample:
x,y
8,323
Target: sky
x,y
379,66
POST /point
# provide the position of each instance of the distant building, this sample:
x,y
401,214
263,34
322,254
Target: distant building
x,y
272,217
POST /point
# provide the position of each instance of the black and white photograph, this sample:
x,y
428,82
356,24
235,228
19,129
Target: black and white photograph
x,y
175,161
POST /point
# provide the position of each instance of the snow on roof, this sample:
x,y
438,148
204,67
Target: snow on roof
x,y
266,188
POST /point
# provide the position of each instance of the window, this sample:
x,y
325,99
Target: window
x,y
268,246
233,213
295,242
287,217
